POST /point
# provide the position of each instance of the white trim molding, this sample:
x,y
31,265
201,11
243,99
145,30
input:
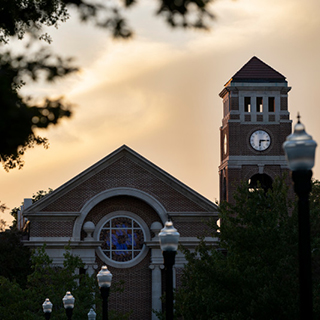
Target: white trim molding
x,y
153,202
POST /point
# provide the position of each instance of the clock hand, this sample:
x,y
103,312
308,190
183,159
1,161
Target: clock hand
x,y
263,140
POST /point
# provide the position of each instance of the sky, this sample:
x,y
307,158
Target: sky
x,y
158,92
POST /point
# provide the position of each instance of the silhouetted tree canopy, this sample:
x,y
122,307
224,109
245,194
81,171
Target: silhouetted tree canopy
x,y
20,115
45,280
14,212
254,272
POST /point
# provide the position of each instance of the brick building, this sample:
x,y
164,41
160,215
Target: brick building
x,y
112,212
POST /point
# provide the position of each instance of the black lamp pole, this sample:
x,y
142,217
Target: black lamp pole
x,y
300,153
105,295
47,308
169,239
104,278
68,303
302,187
69,312
169,259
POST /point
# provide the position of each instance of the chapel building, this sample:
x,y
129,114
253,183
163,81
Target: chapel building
x,y
111,213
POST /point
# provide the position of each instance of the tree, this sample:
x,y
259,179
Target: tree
x,y
15,258
2,222
35,197
27,18
48,281
254,272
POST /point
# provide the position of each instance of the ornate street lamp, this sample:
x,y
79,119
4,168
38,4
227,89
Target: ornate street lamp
x,y
169,238
47,308
92,315
300,153
68,302
104,278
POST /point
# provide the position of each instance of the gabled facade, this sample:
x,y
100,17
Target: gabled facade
x,y
111,214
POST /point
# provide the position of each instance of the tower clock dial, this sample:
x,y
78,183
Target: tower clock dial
x,y
260,140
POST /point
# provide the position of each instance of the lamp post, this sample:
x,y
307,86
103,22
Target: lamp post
x,y
300,153
68,303
91,315
47,308
169,238
104,278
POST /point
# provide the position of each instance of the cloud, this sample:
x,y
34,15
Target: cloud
x,y
159,92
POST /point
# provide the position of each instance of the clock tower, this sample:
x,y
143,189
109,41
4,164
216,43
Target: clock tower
x,y
255,124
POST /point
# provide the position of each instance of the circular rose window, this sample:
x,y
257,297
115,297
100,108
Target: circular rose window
x,y
123,239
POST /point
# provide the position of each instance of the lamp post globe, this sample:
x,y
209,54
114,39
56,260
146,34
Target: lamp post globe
x,y
169,237
169,240
104,278
68,303
300,154
92,315
47,308
300,149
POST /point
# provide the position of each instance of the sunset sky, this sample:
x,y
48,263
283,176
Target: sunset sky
x,y
158,93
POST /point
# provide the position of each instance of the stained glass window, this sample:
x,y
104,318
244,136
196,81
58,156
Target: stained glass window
x,y
123,239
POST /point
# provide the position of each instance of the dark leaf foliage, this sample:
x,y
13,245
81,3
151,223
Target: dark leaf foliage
x,y
29,16
19,115
35,197
186,13
254,272
45,280
14,258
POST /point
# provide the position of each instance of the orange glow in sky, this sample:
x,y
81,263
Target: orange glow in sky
x,y
158,93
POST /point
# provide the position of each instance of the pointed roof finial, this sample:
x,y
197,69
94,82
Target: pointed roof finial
x,y
298,116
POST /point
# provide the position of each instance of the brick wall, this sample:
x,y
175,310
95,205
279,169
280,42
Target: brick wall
x,y
195,228
239,136
235,176
124,203
51,228
136,295
123,173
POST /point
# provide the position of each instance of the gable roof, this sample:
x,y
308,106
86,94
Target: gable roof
x,y
103,167
255,70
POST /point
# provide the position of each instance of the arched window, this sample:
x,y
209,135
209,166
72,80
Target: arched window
x,y
260,181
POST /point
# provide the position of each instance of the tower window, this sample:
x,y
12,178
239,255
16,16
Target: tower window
x,y
247,104
259,104
260,181
271,104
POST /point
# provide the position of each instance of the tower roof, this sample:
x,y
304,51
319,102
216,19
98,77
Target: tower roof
x,y
256,70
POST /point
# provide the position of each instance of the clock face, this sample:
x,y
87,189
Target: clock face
x,y
260,140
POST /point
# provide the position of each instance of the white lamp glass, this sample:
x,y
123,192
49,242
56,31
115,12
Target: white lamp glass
x,y
104,277
300,149
92,315
169,237
47,306
68,300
